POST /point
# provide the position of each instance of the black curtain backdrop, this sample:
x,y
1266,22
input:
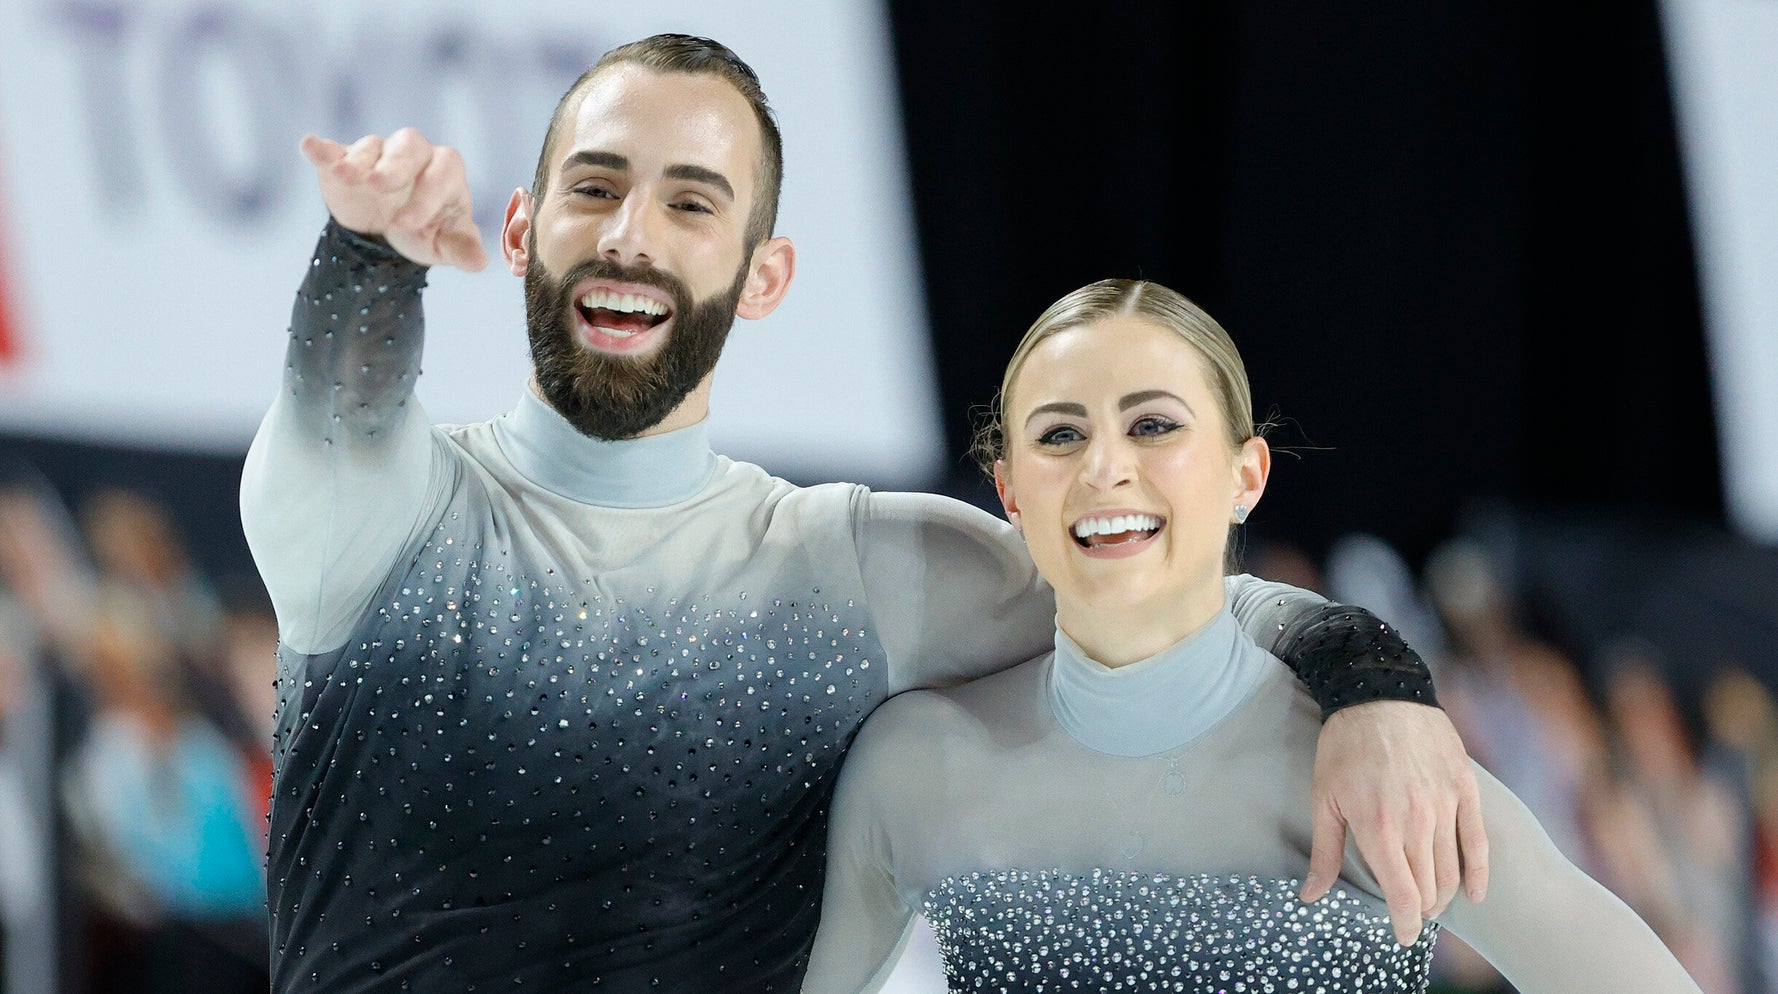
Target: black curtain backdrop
x,y
1450,239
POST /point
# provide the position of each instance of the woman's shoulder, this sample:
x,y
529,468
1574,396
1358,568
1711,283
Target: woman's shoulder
x,y
943,719
986,700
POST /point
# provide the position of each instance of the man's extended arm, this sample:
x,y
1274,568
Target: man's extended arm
x,y
336,475
338,472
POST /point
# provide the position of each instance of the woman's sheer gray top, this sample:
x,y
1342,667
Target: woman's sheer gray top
x,y
1066,826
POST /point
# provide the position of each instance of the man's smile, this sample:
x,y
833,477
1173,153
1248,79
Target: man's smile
x,y
619,317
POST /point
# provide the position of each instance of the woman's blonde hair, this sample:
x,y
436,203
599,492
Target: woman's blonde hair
x,y
1166,308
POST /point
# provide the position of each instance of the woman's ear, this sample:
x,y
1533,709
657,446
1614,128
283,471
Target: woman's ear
x,y
1253,464
1008,501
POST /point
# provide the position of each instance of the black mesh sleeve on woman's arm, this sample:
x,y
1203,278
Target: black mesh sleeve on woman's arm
x,y
1346,655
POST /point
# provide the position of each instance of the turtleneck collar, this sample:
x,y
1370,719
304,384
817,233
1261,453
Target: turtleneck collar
x,y
652,471
1159,703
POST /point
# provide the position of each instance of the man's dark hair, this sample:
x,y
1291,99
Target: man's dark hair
x,y
694,56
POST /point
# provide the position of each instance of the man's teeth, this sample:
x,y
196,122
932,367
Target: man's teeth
x,y
1088,527
623,303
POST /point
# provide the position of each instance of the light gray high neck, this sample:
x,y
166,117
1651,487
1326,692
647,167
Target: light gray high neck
x,y
1159,703
652,471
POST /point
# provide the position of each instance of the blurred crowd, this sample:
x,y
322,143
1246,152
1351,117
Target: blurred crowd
x,y
1670,803
136,704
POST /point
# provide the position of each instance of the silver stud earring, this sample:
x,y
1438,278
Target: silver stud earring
x,y
1240,514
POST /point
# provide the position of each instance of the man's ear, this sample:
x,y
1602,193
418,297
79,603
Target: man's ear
x,y
514,236
768,277
1008,500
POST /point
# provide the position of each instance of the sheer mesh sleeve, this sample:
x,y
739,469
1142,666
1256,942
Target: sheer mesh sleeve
x,y
951,588
338,472
1343,654
1548,927
1346,655
865,919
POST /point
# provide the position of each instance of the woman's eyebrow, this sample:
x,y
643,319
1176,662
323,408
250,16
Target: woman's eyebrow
x,y
1058,407
1144,396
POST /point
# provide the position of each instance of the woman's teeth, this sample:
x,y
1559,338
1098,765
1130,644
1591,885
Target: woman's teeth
x,y
1088,527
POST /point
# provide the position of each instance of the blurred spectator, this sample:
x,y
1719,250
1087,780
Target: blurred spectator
x,y
167,811
42,566
1520,704
248,657
1364,569
1284,562
1523,712
49,581
139,555
168,808
1741,747
1672,837
27,923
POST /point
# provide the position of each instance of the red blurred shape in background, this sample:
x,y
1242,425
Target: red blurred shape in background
x,y
9,340
9,349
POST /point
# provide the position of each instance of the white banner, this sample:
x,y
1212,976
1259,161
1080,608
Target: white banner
x,y
1723,56
156,216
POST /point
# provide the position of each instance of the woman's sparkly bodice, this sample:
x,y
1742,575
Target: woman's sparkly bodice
x,y
1045,930
1065,826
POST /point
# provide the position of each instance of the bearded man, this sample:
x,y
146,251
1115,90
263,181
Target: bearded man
x,y
563,694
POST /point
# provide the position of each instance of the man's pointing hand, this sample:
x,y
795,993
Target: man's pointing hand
x,y
404,189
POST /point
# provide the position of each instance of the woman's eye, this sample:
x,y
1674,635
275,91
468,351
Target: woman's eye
x,y
1153,426
1060,435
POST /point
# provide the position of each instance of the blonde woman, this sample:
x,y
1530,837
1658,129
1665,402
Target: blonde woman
x,y
1130,811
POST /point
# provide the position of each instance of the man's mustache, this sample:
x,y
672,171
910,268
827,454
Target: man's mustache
x,y
605,269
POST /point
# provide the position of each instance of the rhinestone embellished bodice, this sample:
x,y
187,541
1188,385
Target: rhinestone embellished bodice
x,y
1040,931
555,713
528,772
1076,827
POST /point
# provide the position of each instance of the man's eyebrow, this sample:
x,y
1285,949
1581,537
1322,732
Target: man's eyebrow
x,y
591,157
1144,396
700,174
612,160
1057,407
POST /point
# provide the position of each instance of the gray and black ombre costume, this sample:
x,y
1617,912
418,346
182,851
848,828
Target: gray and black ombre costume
x,y
1145,828
564,714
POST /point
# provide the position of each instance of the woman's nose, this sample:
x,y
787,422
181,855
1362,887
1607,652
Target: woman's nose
x,y
1110,463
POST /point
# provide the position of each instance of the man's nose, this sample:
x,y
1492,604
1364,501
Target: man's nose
x,y
628,236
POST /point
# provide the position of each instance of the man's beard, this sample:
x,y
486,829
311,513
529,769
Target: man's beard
x,y
616,396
